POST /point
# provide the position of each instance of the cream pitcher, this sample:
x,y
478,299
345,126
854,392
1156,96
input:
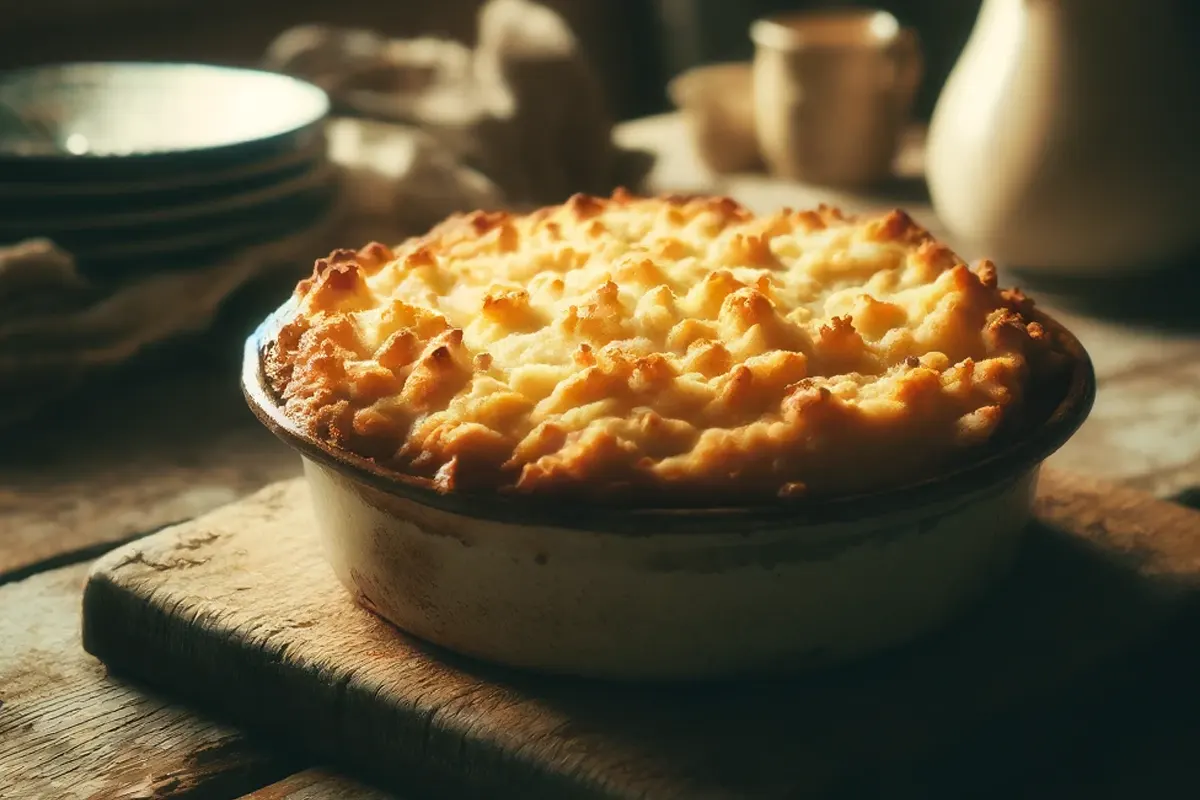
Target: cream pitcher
x,y
1067,137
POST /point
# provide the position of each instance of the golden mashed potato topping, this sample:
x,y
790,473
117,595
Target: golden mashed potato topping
x,y
665,350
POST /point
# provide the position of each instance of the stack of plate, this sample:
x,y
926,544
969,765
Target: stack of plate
x,y
127,165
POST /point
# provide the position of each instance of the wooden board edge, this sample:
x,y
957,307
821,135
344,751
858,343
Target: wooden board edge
x,y
235,685
106,598
318,784
1157,538
68,729
1032,734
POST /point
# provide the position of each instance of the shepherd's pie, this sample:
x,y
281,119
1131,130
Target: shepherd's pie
x,y
659,350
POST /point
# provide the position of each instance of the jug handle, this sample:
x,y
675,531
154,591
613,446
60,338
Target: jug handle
x,y
907,65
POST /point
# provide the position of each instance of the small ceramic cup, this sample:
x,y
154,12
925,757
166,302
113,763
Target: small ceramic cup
x,y
833,92
717,101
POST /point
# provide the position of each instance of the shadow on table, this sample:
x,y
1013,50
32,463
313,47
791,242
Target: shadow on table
x,y
902,190
1163,295
1042,685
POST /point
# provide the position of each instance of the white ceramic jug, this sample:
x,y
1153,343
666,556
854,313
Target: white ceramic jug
x,y
1067,137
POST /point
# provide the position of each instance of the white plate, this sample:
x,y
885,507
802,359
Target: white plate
x,y
51,227
116,111
115,190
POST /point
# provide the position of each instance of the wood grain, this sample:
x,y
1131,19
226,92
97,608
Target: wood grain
x,y
125,459
318,784
68,730
239,611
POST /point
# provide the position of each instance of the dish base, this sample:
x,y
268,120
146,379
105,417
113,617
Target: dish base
x,y
238,611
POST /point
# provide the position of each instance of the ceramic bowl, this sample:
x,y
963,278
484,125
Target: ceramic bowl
x,y
672,594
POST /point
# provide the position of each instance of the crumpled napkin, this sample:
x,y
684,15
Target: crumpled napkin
x,y
523,107
427,127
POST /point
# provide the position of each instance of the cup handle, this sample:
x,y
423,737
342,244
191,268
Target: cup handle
x,y
908,67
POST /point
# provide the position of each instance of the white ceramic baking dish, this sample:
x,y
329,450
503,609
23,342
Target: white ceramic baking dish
x,y
673,593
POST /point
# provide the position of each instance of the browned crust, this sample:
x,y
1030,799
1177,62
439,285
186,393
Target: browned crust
x,y
738,394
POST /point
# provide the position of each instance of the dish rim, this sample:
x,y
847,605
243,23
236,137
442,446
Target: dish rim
x,y
1014,458
321,107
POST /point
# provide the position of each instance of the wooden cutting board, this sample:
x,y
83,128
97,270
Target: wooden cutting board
x,y
238,612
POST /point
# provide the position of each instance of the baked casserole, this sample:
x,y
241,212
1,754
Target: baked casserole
x,y
670,351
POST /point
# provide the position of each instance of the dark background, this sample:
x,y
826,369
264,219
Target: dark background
x,y
637,44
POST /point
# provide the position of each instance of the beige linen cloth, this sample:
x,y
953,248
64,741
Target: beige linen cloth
x,y
422,128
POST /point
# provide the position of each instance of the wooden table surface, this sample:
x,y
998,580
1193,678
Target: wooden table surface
x,y
148,448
